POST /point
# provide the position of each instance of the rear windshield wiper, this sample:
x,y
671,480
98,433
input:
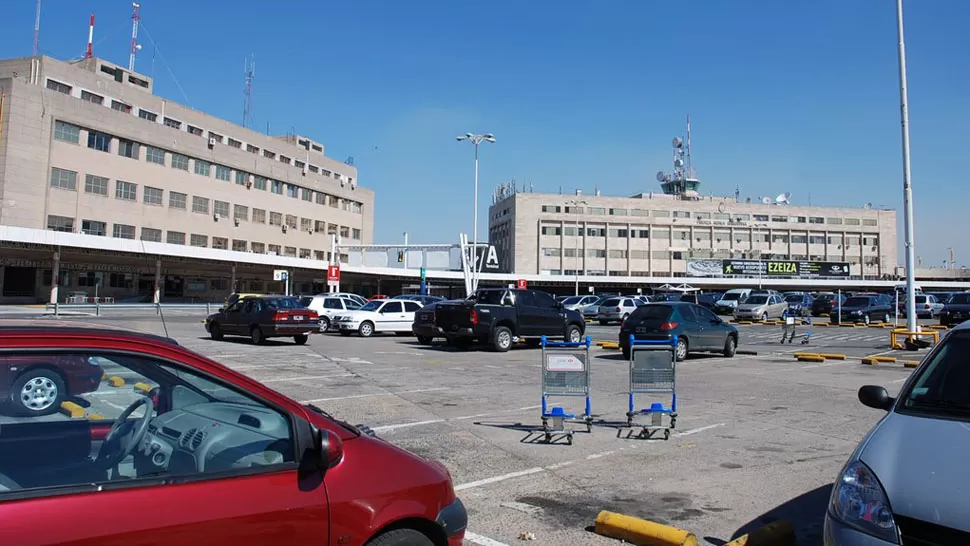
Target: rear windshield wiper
x,y
324,413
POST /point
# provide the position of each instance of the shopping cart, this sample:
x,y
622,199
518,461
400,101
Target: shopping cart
x,y
653,370
788,330
565,372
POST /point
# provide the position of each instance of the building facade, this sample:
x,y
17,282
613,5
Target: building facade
x,y
87,148
657,235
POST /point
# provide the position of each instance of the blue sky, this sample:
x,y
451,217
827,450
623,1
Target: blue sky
x,y
783,96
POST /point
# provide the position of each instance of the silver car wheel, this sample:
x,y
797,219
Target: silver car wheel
x,y
39,394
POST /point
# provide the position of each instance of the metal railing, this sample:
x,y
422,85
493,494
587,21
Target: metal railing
x,y
158,308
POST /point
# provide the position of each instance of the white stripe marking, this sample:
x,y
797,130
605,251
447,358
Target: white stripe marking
x,y
898,380
475,538
386,428
304,378
700,429
503,477
371,395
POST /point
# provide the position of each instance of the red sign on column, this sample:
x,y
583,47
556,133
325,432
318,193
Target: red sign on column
x,y
521,284
333,273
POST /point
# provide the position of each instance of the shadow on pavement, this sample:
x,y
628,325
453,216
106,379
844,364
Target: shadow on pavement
x,y
806,513
272,342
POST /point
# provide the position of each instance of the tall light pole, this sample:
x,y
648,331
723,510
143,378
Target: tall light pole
x,y
576,203
910,250
476,140
405,250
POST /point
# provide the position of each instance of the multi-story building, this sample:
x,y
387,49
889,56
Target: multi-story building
x,y
656,235
87,148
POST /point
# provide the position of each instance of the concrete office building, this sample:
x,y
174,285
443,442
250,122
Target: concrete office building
x,y
88,150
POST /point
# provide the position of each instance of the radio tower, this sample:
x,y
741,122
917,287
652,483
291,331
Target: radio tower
x,y
89,53
250,70
134,35
37,30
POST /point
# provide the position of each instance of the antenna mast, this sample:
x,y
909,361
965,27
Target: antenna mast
x,y
250,70
89,53
37,30
688,171
135,17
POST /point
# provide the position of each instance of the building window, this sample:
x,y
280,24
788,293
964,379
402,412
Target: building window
x,y
317,148
259,216
202,167
155,155
259,183
551,208
252,149
357,207
551,230
127,148
291,190
222,173
93,227
618,233
239,246
198,240
152,196
125,190
121,107
799,239
180,162
215,136
289,251
325,172
123,231
816,239
306,224
145,114
816,220
291,221
284,159
321,198
60,223
99,141
344,231
275,219
596,210
306,194
221,209
852,221
59,87
220,243
333,201
277,187
66,132
174,124
314,169
63,179
242,178
177,200
269,154
97,185
869,222
833,221
175,237
355,234
233,143
200,204
618,212
305,253
258,248
151,234
240,212
91,97
197,131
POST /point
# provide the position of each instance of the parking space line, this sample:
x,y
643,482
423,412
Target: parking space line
x,y
372,395
305,377
387,428
475,538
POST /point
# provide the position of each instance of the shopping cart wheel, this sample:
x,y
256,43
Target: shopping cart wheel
x,y
569,439
666,434
548,438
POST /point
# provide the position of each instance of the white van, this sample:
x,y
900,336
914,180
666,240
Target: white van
x,y
730,300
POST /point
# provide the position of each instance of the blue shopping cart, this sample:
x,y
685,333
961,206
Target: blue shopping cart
x,y
653,365
565,373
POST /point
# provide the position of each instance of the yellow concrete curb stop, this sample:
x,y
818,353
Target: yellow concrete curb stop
x,y
116,381
910,363
143,388
96,417
72,410
640,531
776,533
810,358
832,356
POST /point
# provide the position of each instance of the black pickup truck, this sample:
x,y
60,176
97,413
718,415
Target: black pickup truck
x,y
497,316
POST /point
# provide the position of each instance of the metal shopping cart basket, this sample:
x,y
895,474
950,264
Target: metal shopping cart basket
x,y
653,370
565,372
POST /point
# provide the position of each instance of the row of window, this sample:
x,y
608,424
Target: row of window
x,y
125,231
677,254
634,273
128,191
684,235
67,132
700,215
198,131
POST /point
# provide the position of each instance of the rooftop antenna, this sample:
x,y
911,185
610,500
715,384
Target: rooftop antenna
x,y
135,17
952,258
37,30
89,52
687,169
737,193
250,70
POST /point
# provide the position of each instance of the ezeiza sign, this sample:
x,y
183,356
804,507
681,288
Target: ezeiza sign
x,y
784,268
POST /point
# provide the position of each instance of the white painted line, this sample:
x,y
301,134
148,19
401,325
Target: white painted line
x,y
386,428
893,382
700,429
598,455
475,538
304,378
559,465
501,478
371,395
522,507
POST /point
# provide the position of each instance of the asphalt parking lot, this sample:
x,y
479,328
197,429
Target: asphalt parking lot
x,y
758,437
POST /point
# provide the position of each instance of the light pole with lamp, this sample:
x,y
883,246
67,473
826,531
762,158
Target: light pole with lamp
x,y
576,204
476,140
405,260
911,322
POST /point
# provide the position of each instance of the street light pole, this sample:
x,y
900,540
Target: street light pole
x,y
405,250
476,140
910,250
576,203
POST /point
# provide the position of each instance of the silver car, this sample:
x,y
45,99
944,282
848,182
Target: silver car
x,y
907,480
579,303
616,309
762,307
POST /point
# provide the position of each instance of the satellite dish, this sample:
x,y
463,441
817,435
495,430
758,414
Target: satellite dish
x,y
678,163
678,142
783,199
766,200
868,206
661,177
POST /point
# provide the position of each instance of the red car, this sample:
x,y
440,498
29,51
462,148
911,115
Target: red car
x,y
377,297
36,385
190,452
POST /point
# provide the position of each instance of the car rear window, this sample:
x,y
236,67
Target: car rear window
x,y
794,298
612,302
961,299
653,311
490,297
920,299
283,303
857,302
306,300
757,300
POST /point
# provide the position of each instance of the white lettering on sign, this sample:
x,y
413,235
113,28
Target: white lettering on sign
x,y
564,363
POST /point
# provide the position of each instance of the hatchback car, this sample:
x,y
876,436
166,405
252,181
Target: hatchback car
x,y
827,303
696,327
616,309
762,307
579,303
378,316
264,317
928,306
906,481
198,454
37,384
864,309
328,307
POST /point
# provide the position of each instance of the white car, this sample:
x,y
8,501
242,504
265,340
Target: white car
x,y
579,303
329,306
378,316
359,299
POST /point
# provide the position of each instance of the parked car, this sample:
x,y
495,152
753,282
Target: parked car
x,y
697,328
956,310
377,297
762,307
424,327
236,296
579,303
378,316
349,295
704,299
905,483
927,306
498,316
799,304
730,300
328,307
37,384
616,309
235,461
593,309
864,309
826,303
264,317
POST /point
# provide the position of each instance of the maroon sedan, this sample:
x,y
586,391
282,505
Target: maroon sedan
x,y
37,384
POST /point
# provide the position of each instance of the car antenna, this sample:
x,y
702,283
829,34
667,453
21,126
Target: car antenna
x,y
156,290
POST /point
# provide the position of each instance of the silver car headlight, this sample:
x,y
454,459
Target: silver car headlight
x,y
859,501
